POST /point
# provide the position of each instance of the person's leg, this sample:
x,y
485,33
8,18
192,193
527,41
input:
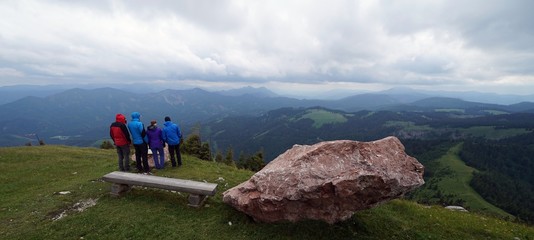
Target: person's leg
x,y
155,157
161,157
138,154
171,152
161,153
144,157
179,155
126,154
120,156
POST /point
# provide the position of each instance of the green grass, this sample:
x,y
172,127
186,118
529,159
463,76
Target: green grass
x,y
32,177
457,181
321,117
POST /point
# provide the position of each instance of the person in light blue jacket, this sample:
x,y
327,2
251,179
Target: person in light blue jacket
x,y
139,139
172,136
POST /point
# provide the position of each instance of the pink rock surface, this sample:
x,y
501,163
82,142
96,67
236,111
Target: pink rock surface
x,y
328,181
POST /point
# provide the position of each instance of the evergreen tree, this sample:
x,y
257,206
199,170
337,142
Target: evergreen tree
x,y
255,162
229,159
192,145
218,157
205,153
195,147
241,160
106,145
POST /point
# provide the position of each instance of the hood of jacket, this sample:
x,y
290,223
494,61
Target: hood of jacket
x,y
136,116
120,118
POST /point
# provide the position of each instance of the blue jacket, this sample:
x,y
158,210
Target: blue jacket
x,y
171,133
137,129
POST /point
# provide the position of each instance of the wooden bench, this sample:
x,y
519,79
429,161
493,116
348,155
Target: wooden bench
x,y
123,181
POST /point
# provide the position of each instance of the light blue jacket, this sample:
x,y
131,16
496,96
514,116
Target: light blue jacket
x,y
137,129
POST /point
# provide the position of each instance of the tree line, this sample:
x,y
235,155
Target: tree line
x,y
195,147
506,172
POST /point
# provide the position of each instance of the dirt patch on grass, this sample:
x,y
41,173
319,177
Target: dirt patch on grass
x,y
80,206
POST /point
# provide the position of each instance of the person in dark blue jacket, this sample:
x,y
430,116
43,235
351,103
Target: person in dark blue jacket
x,y
156,144
172,136
139,139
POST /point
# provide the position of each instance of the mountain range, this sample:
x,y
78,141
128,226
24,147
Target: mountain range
x,y
82,116
402,94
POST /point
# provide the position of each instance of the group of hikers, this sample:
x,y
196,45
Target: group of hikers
x,y
152,137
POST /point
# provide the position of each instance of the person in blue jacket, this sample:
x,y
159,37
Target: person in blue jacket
x,y
139,139
172,136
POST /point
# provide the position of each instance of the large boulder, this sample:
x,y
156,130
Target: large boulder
x,y
328,181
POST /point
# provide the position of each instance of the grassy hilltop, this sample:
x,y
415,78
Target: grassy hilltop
x,y
55,192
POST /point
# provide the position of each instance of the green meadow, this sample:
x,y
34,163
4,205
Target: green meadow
x,y
321,117
56,192
457,183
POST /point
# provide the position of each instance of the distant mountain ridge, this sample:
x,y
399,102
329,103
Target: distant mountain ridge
x,y
87,113
258,92
402,94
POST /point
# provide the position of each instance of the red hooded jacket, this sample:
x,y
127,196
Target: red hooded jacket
x,y
119,132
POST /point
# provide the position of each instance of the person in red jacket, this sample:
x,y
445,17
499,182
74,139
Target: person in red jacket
x,y
121,138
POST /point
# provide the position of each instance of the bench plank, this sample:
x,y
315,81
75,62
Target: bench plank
x,y
123,180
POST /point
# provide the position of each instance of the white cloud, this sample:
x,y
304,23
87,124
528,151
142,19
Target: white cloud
x,y
361,43
10,72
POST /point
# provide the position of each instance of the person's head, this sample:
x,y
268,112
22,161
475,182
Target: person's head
x,y
153,123
120,118
167,119
136,115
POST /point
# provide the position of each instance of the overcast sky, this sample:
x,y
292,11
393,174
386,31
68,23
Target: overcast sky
x,y
481,45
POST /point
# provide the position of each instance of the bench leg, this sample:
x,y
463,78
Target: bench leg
x,y
196,200
118,190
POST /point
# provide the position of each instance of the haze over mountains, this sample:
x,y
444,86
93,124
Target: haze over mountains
x,y
15,92
82,116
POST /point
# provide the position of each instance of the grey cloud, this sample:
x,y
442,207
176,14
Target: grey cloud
x,y
425,65
507,24
220,16
373,42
